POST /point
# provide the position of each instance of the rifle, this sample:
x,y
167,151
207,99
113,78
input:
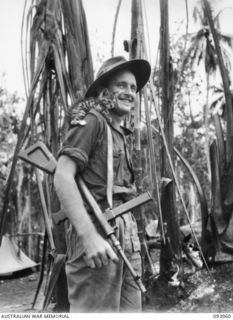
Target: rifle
x,y
39,156
55,261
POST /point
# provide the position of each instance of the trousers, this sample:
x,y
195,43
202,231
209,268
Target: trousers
x,y
110,288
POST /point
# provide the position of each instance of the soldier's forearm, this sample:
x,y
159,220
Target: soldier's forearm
x,y
72,204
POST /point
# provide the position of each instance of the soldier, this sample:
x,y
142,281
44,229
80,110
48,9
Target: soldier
x,y
95,147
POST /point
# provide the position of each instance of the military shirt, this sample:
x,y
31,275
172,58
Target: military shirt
x,y
86,144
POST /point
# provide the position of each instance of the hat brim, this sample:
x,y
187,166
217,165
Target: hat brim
x,y
140,68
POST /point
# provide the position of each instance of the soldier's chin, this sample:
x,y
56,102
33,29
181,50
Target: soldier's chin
x,y
124,105
120,111
124,109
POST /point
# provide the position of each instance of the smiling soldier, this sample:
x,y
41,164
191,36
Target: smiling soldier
x,y
95,147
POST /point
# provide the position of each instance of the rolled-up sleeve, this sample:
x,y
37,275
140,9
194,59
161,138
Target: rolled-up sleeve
x,y
81,141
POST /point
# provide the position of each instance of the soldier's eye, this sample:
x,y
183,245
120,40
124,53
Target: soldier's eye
x,y
121,85
134,88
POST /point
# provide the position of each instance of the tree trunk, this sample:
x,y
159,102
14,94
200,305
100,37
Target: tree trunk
x,y
226,83
78,47
136,18
81,75
170,252
206,124
222,167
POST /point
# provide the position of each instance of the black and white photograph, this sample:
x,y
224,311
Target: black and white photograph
x,y
116,159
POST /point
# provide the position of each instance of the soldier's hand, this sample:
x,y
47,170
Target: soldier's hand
x,y
98,252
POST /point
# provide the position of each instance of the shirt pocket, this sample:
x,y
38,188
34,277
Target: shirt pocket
x,y
118,166
136,246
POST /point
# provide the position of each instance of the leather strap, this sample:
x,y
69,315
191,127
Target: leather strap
x,y
109,166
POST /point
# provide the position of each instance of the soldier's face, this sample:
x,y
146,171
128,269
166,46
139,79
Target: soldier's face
x,y
124,87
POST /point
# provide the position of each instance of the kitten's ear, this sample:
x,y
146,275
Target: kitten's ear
x,y
103,93
106,93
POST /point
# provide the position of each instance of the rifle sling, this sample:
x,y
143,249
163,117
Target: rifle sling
x,y
109,166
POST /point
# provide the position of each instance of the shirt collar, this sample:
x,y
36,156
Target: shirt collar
x,y
125,130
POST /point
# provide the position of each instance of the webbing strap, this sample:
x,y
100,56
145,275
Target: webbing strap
x,y
109,167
